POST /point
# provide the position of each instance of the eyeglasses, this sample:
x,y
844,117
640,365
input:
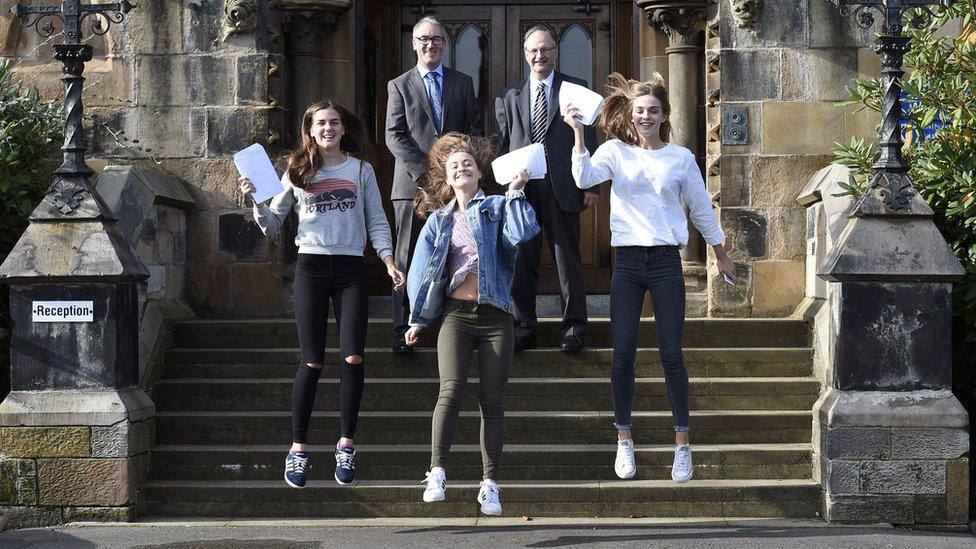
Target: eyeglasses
x,y
536,51
435,40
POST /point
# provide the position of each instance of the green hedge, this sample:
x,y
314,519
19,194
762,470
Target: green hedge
x,y
30,137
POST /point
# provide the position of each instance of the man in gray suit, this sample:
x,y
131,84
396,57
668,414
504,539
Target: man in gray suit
x,y
425,102
528,113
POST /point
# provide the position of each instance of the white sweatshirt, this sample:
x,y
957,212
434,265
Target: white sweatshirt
x,y
648,192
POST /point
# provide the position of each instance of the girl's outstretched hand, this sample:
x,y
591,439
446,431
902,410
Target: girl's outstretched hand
x,y
518,182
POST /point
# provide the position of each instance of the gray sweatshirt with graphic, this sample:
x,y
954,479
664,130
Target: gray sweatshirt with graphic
x,y
335,212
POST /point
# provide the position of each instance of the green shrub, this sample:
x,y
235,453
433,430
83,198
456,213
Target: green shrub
x,y
30,137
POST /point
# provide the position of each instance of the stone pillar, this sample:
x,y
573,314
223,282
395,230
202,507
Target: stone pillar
x,y
891,440
681,22
75,429
307,23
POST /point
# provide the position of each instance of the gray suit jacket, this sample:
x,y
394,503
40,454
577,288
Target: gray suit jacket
x,y
513,117
410,130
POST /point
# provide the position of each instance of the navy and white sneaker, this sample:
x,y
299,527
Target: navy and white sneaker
x,y
345,471
295,466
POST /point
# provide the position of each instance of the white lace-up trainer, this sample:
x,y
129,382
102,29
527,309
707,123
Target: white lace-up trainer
x,y
624,465
436,481
681,469
488,498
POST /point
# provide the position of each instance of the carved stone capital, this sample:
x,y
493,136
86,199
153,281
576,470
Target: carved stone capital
x,y
678,20
308,22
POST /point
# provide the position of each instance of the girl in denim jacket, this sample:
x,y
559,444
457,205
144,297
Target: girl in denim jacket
x,y
461,272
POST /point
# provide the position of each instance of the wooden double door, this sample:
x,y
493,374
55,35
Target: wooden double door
x,y
485,42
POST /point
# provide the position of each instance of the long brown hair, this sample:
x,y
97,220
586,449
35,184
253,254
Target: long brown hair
x,y
616,117
305,161
435,192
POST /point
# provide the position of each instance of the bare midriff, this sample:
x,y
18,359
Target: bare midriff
x,y
468,289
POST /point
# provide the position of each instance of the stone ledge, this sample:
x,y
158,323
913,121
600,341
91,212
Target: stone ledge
x,y
61,408
928,409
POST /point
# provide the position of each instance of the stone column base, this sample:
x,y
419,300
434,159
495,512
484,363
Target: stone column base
x,y
73,455
892,457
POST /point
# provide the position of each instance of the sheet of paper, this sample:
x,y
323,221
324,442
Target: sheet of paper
x,y
532,158
254,164
587,101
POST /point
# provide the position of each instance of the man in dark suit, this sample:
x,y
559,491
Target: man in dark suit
x,y
529,113
425,102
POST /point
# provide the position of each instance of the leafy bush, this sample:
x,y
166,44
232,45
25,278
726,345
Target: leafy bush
x,y
941,89
30,137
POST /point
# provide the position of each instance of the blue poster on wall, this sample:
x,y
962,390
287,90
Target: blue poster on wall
x,y
907,105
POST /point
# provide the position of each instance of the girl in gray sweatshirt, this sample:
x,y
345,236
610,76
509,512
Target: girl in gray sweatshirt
x,y
338,204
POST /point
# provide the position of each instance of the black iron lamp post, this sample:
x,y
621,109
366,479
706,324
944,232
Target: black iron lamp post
x,y
72,257
890,183
73,55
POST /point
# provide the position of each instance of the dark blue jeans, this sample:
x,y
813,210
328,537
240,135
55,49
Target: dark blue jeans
x,y
637,270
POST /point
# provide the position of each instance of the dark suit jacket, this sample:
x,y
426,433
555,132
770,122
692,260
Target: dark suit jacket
x,y
513,116
410,130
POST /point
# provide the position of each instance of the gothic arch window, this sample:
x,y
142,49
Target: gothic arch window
x,y
471,56
576,53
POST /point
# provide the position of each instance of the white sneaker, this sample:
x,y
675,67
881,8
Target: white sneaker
x,y
681,469
624,465
436,481
488,498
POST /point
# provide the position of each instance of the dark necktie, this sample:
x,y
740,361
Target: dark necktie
x,y
435,99
540,120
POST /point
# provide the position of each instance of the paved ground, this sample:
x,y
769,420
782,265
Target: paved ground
x,y
424,533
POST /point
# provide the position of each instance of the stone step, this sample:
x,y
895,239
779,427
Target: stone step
x,y
400,394
550,427
698,332
794,498
696,299
520,462
381,362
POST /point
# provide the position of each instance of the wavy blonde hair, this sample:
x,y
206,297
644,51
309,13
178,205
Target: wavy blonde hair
x,y
435,193
616,118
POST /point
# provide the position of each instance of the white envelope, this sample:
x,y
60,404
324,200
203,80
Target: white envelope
x,y
532,158
587,101
254,164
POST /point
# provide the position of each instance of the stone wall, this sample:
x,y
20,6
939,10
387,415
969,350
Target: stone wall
x,y
172,77
788,72
73,456
151,208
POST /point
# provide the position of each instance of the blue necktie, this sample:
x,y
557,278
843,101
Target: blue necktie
x,y
435,98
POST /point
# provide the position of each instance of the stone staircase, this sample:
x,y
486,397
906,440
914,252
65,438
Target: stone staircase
x,y
223,427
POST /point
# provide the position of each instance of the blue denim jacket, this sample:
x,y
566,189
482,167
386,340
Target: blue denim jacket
x,y
499,224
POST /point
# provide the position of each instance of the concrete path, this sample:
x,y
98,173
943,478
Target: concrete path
x,y
495,533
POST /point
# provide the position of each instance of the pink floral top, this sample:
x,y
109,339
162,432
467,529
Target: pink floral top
x,y
462,255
